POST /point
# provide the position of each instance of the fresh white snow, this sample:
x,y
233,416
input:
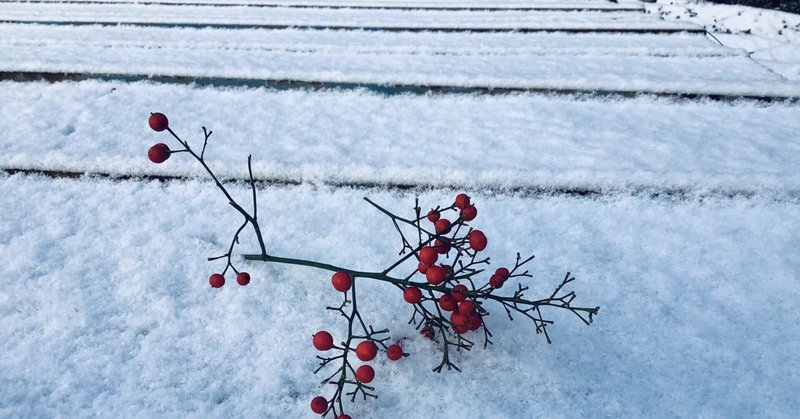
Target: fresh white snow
x,y
105,302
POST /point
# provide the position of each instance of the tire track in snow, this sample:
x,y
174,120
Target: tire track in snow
x,y
650,192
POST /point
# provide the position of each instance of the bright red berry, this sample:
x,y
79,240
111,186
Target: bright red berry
x,y
442,246
323,340
459,293
216,280
365,374
503,272
412,295
460,322
474,321
428,255
394,352
469,213
158,121
366,350
477,240
496,281
422,268
319,405
341,281
462,201
435,275
343,416
243,278
442,226
466,307
447,303
433,215
158,153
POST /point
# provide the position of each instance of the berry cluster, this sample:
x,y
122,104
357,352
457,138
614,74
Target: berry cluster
x,y
441,271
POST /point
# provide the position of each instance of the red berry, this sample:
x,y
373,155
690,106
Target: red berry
x,y
319,405
503,272
428,255
462,201
496,281
427,332
365,374
243,278
433,216
158,121
341,281
447,303
343,416
323,340
469,213
216,280
412,295
442,226
442,246
366,350
394,352
466,307
435,275
422,268
477,240
460,322
158,153
474,321
459,293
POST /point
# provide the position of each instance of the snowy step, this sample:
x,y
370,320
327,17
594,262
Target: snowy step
x,y
497,142
239,17
601,5
710,74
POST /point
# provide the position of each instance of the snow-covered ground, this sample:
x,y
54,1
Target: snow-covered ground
x,y
770,37
105,301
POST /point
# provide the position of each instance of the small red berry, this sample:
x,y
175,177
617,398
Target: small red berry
x,y
394,352
433,215
412,295
341,281
319,405
459,293
462,201
460,322
216,280
158,121
442,226
365,374
435,275
466,307
422,268
323,340
343,416
243,278
427,332
442,246
503,272
477,240
496,281
428,255
158,153
366,350
474,321
447,303
469,213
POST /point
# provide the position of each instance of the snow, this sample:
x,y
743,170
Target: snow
x,y
105,302
107,311
467,140
769,37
